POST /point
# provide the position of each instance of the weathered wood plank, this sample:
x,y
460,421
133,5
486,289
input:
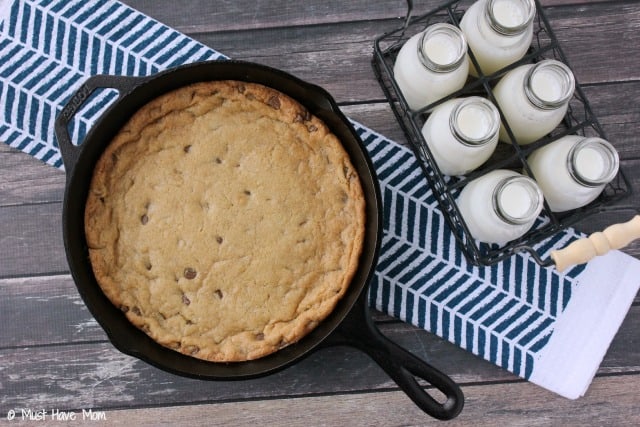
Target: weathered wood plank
x,y
611,401
589,52
62,316
31,240
95,374
201,17
24,179
618,110
341,62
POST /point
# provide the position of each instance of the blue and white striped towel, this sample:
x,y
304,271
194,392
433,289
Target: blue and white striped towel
x,y
552,329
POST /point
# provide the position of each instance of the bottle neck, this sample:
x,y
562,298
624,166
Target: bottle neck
x,y
517,200
474,121
442,48
509,17
549,84
593,162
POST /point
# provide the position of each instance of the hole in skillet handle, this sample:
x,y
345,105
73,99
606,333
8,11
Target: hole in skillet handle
x,y
68,150
359,331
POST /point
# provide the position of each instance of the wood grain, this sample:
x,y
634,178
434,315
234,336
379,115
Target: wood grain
x,y
513,404
104,377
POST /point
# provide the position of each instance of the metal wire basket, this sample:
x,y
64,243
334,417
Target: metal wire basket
x,y
579,120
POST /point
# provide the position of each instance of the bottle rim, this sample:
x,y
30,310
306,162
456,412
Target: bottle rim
x,y
535,196
529,8
456,35
609,155
489,110
565,77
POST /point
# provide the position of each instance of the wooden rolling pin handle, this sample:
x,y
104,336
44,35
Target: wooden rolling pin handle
x,y
616,236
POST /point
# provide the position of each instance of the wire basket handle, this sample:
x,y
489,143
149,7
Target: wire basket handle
x,y
408,16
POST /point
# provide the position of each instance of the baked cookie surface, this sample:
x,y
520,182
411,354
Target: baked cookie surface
x,y
225,220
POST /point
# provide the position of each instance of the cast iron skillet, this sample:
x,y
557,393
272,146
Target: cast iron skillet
x,y
349,323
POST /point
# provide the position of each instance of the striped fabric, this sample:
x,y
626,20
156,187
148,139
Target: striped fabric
x,y
508,313
49,47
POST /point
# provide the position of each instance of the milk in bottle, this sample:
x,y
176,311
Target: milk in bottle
x,y
534,99
500,206
431,65
573,170
498,32
462,133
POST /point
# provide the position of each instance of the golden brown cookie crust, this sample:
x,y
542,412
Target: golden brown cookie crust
x,y
225,220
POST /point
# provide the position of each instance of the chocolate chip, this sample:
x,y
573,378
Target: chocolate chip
x,y
136,311
187,148
191,349
247,192
344,197
274,102
218,160
219,239
124,308
185,300
241,88
190,273
144,219
312,128
218,293
260,336
302,116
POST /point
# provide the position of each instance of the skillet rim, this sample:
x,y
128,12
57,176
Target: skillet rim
x,y
125,336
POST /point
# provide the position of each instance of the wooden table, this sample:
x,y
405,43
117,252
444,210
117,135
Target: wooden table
x,y
54,356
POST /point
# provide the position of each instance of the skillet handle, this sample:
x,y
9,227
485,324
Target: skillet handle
x,y
68,150
358,330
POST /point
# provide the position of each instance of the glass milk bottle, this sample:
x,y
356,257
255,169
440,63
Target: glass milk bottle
x,y
534,99
462,134
431,65
498,32
573,170
500,206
